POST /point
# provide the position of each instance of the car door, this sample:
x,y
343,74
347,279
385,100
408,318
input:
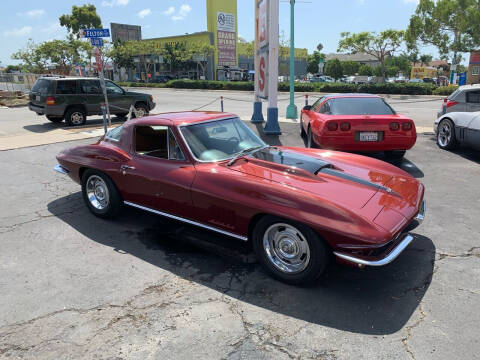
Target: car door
x,y
158,175
472,132
92,95
308,114
118,101
473,100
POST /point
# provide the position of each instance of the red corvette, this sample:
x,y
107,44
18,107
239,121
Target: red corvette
x,y
297,206
357,122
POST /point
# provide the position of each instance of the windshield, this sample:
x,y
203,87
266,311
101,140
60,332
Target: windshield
x,y
360,106
219,140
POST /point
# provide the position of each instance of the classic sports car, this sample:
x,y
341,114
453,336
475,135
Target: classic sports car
x,y
357,122
297,206
455,128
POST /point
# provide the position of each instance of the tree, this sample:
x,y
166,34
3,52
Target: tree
x,y
200,53
450,25
82,17
31,58
312,62
365,70
350,67
319,47
334,69
380,46
122,54
401,62
425,59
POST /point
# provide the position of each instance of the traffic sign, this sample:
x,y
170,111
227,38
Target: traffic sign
x,y
95,33
96,41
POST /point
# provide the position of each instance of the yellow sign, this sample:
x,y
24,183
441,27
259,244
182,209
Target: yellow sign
x,y
423,72
222,22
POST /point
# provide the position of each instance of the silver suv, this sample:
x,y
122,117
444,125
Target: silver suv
x,y
465,99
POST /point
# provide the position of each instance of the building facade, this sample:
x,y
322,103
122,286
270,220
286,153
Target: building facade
x,y
473,76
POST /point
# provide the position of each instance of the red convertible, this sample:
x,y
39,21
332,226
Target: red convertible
x,y
357,122
298,207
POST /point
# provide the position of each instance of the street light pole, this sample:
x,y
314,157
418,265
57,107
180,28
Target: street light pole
x,y
292,112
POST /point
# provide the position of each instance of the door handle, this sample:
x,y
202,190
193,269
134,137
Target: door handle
x,y
124,168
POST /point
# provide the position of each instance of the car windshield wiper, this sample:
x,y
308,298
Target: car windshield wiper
x,y
245,152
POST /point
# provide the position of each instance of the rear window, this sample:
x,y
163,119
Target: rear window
x,y
360,106
66,87
455,93
42,86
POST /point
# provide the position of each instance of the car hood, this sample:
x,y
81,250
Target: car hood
x,y
347,179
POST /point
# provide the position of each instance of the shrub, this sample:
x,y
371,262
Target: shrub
x,y
445,90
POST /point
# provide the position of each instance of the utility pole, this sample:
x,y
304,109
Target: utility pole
x,y
292,112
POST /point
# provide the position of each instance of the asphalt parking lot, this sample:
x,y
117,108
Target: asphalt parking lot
x,y
143,287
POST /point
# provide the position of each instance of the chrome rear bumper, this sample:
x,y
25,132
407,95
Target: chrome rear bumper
x,y
421,213
407,239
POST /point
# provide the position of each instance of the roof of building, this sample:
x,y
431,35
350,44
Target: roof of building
x,y
358,57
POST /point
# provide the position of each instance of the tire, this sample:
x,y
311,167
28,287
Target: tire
x,y
140,107
312,253
75,116
446,139
54,119
395,154
310,141
302,130
100,194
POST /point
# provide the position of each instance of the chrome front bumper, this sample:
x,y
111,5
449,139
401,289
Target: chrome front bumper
x,y
62,170
406,240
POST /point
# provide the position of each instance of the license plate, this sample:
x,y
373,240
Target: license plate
x,y
368,136
37,98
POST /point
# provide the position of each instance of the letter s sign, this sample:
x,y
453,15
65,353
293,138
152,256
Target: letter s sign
x,y
262,76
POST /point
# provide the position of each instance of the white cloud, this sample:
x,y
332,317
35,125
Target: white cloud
x,y
18,31
34,13
144,12
169,11
112,3
182,12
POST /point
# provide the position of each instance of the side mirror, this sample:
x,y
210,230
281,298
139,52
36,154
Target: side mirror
x,y
307,107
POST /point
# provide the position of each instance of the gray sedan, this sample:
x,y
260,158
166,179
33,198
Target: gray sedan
x,y
455,128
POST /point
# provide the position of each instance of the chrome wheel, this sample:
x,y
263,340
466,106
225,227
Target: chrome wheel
x,y
444,133
76,118
97,192
140,112
286,248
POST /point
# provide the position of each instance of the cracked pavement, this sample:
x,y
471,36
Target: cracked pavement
x,y
73,286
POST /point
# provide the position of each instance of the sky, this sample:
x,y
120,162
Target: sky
x,y
315,20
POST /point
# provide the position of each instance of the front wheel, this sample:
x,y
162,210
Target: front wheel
x,y
290,251
302,130
100,194
446,135
310,141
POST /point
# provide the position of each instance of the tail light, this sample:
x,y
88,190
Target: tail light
x,y
406,126
451,103
332,126
50,100
151,98
345,126
394,126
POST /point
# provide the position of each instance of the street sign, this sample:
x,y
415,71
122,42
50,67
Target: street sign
x,y
98,59
95,33
96,41
262,77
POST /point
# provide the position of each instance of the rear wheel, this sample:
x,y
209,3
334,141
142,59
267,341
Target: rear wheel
x,y
76,116
290,251
100,194
310,141
446,135
55,119
302,130
395,154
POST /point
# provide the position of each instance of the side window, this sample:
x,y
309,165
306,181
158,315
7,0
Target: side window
x,y
112,88
174,151
316,105
67,87
115,134
90,87
473,97
152,141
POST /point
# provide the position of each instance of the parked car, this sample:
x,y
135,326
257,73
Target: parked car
x,y
415,81
74,98
298,207
457,128
357,122
465,99
428,80
162,79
